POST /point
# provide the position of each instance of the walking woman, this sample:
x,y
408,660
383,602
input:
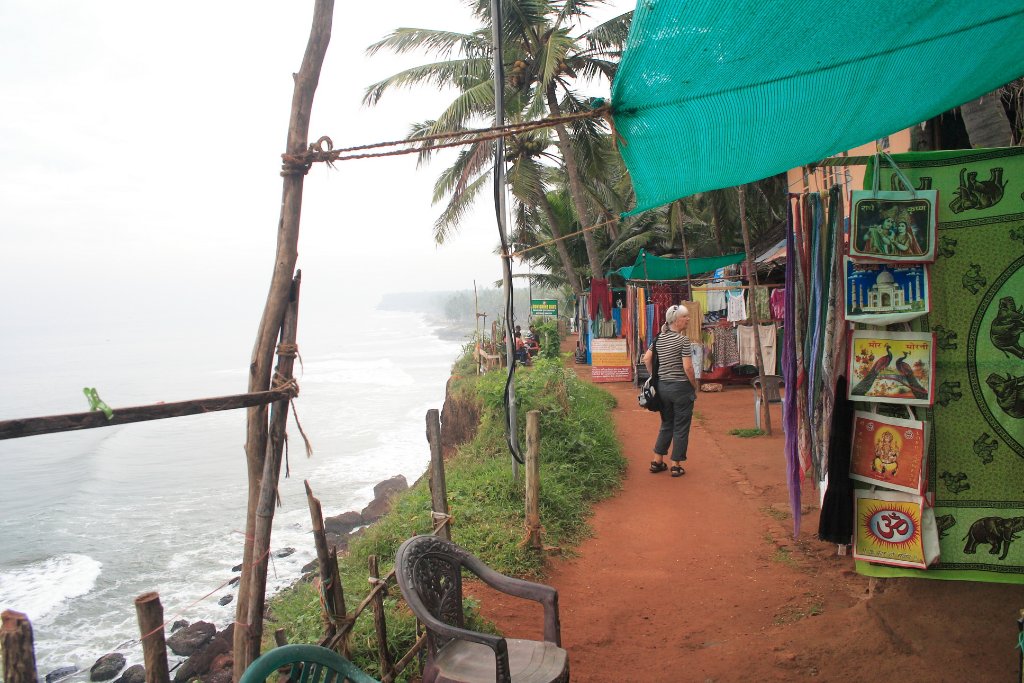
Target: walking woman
x,y
676,386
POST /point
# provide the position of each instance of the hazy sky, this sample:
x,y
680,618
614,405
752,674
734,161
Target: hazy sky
x,y
140,148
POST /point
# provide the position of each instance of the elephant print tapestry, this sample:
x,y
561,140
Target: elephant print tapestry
x,y
891,367
975,457
888,452
893,226
895,529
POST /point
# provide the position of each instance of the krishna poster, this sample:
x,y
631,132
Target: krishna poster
x,y
893,226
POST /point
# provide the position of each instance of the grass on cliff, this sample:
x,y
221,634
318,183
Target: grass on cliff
x,y
581,462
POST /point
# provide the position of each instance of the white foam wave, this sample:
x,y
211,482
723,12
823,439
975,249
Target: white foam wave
x,y
41,588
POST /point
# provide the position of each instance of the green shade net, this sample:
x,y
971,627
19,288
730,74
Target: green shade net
x,y
649,267
713,94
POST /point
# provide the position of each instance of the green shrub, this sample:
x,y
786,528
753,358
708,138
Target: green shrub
x,y
581,462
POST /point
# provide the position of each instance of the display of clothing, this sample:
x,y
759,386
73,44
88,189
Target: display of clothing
x,y
716,298
737,305
696,319
600,299
697,356
699,294
748,354
761,306
727,352
778,303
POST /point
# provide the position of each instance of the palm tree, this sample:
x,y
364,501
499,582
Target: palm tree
x,y
543,60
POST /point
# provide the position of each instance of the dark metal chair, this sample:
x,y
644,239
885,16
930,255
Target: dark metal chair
x,y
309,664
429,572
769,393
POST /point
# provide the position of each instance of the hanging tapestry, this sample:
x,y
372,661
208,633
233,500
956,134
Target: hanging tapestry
x,y
895,529
893,226
885,293
892,367
976,449
888,452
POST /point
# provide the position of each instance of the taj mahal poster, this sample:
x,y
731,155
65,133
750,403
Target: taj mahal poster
x,y
885,293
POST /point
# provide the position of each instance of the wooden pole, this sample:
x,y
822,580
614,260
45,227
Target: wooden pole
x,y
752,277
287,351
330,581
306,81
533,538
19,649
50,424
150,614
387,664
438,486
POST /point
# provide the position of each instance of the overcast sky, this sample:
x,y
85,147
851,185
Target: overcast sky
x,y
140,147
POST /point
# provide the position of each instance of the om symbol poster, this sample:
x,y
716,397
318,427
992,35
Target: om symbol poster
x,y
895,529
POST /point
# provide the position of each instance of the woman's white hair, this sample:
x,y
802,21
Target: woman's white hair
x,y
673,312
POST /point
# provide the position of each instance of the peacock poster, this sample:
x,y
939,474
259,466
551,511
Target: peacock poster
x,y
892,367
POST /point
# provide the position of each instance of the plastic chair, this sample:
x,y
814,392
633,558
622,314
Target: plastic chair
x,y
309,663
769,393
429,572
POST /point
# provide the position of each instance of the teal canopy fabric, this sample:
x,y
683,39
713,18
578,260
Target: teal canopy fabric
x,y
649,267
712,93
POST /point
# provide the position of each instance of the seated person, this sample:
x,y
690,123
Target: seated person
x,y
532,347
522,353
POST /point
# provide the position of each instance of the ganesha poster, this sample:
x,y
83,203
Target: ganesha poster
x,y
889,452
895,529
892,367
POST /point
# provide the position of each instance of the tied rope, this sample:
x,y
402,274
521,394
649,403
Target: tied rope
x,y
520,252
323,149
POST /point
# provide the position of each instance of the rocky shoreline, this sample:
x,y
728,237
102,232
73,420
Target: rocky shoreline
x,y
204,651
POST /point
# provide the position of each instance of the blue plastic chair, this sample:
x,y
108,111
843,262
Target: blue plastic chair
x,y
309,664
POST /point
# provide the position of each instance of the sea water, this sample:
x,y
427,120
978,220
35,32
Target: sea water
x,y
91,519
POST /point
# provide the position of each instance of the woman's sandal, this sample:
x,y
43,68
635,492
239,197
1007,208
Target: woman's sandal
x,y
658,467
677,471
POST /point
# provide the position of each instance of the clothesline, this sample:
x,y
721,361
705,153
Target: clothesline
x,y
720,289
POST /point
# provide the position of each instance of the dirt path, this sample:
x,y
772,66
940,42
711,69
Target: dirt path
x,y
699,579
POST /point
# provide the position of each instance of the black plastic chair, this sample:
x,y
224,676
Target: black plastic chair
x,y
429,572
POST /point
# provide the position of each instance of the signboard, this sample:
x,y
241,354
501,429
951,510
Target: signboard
x,y
609,359
545,308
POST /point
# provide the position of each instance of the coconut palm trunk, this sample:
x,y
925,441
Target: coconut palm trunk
x,y
563,251
575,184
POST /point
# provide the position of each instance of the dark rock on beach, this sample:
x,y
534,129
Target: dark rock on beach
x,y
180,623
201,663
382,493
187,641
237,568
284,552
343,523
235,581
106,667
225,599
133,674
311,566
59,673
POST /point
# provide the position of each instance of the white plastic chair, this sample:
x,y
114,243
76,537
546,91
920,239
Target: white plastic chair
x,y
769,393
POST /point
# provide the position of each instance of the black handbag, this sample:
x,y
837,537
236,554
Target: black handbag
x,y
649,397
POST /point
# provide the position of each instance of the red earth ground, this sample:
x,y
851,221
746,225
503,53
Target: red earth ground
x,y
699,578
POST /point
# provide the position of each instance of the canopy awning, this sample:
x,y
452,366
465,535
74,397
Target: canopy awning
x,y
650,267
713,94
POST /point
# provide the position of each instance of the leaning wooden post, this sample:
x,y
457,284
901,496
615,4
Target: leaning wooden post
x,y
286,352
330,581
387,665
19,649
752,279
306,81
150,614
438,487
533,538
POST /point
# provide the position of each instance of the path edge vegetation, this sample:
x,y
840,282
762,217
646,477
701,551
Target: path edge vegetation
x,y
581,463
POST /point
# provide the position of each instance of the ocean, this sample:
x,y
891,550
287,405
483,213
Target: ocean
x,y
91,519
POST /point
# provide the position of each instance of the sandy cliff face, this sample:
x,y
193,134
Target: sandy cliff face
x,y
460,417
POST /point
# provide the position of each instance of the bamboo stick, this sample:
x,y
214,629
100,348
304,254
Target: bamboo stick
x,y
330,581
33,426
272,472
150,614
752,277
404,661
19,648
387,665
306,81
533,538
438,486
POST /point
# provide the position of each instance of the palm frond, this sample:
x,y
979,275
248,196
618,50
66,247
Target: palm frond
x,y
437,74
611,35
441,43
450,219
